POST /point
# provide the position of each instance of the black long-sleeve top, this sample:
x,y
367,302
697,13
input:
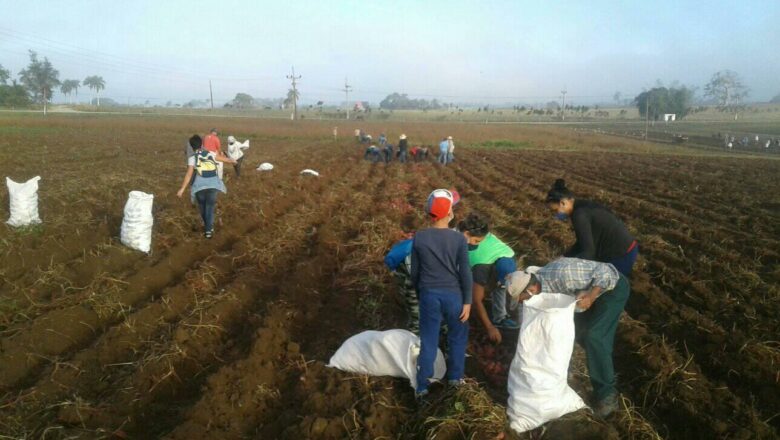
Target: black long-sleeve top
x,y
601,236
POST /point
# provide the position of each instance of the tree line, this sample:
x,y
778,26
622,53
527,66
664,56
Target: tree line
x,y
37,83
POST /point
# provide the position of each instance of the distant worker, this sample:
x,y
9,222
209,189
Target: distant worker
x,y
206,183
358,135
601,235
388,150
403,147
450,149
767,143
602,293
382,140
372,154
335,133
444,148
236,152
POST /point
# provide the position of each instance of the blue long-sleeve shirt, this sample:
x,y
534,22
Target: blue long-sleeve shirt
x,y
440,261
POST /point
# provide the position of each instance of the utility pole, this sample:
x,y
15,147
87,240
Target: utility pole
x,y
647,113
563,106
346,90
211,94
294,80
44,100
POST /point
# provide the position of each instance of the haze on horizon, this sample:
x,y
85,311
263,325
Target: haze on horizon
x,y
456,51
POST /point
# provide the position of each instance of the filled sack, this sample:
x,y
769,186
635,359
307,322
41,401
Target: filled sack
x,y
265,166
538,391
23,198
388,353
310,172
137,222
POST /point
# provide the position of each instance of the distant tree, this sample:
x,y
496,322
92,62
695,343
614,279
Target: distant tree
x,y
243,100
618,97
95,83
776,99
39,77
14,95
552,105
726,88
320,104
660,100
69,86
4,75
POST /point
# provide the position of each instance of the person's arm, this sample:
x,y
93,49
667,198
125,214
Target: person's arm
x,y
186,181
466,279
605,278
482,314
415,267
222,158
583,230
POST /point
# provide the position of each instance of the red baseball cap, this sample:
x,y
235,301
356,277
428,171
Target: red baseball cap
x,y
440,202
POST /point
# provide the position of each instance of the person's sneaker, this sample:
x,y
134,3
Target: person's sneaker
x,y
422,398
507,323
209,234
456,383
606,406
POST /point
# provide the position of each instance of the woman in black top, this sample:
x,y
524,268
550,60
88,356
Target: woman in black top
x,y
601,236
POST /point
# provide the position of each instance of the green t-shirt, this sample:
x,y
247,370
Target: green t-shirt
x,y
490,250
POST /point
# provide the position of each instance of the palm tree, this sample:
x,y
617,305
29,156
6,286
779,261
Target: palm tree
x,y
70,85
95,83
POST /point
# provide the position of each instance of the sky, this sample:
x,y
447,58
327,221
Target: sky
x,y
490,52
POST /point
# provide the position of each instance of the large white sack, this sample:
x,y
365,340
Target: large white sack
x,y
310,172
23,198
137,223
538,391
220,169
388,353
265,166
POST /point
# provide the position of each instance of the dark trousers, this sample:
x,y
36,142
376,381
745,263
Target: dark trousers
x,y
402,156
237,166
207,202
435,307
625,264
595,331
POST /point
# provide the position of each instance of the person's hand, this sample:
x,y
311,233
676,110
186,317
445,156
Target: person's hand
x,y
179,193
464,315
585,301
494,334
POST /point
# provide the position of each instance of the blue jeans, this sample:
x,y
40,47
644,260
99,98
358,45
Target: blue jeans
x,y
443,157
625,264
504,267
207,201
402,156
436,306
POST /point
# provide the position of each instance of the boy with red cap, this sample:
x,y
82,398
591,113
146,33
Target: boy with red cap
x,y
442,277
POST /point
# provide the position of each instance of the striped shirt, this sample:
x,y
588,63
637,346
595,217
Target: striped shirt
x,y
573,275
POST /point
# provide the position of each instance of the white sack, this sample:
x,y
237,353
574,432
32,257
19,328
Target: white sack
x,y
265,166
310,172
388,353
220,168
538,391
137,223
23,199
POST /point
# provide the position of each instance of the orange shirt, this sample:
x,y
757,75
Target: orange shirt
x,y
211,143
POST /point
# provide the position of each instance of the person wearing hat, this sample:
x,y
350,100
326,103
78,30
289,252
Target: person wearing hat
x,y
206,183
489,257
442,278
372,154
403,147
601,235
450,149
601,292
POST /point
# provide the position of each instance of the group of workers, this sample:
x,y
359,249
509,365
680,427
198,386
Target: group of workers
x,y
204,172
731,141
442,272
384,151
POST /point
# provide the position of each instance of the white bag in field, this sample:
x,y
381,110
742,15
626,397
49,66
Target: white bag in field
x,y
310,172
137,223
538,391
388,353
265,166
23,198
220,169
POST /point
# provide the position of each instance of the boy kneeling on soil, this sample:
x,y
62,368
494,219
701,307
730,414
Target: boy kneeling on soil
x,y
488,255
601,293
442,277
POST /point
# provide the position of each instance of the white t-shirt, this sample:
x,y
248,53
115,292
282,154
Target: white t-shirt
x,y
235,149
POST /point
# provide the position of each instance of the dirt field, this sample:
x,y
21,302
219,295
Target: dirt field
x,y
228,338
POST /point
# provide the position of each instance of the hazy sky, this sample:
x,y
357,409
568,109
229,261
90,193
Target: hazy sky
x,y
461,51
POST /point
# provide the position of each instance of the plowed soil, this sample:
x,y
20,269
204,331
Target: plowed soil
x,y
228,338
